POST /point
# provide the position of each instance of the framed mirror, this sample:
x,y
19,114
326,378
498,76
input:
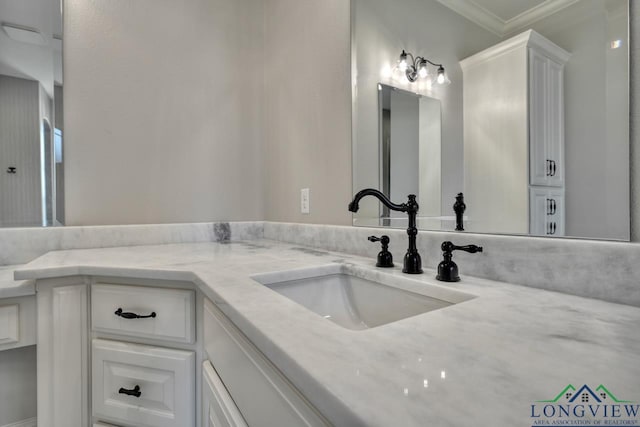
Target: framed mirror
x,y
31,116
534,122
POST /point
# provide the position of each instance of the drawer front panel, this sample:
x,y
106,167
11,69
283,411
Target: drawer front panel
x,y
143,385
218,408
262,394
17,322
171,312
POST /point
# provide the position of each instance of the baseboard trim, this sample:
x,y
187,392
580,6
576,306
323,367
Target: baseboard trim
x,y
31,422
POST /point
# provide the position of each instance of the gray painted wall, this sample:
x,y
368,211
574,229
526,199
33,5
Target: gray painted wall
x,y
163,111
307,115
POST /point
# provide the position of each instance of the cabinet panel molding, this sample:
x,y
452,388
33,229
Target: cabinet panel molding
x,y
63,379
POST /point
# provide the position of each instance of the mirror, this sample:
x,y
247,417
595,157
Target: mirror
x,y
534,127
409,143
31,117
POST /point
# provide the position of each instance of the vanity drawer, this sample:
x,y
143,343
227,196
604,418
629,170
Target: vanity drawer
x,y
262,394
164,379
17,322
172,311
218,408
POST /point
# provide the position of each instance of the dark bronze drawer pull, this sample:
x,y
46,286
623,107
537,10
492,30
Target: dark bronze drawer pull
x,y
133,392
127,315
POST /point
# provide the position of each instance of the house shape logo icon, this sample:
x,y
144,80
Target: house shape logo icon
x,y
585,394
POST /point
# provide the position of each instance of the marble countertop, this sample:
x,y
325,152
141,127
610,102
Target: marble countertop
x,y
481,362
10,288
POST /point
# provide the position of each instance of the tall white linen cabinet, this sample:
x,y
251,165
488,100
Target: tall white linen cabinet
x,y
514,137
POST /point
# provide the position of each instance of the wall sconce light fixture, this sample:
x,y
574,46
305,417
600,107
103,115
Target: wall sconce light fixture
x,y
415,68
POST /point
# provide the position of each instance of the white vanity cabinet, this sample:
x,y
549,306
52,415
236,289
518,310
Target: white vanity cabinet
x,y
513,133
103,358
143,353
261,393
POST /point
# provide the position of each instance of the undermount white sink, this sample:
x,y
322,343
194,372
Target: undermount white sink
x,y
356,298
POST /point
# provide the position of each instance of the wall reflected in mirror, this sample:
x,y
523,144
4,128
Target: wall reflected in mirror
x,y
31,116
409,153
534,126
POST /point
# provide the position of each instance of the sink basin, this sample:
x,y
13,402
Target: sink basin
x,y
357,298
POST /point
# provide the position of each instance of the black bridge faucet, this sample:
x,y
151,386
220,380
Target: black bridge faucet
x,y
412,260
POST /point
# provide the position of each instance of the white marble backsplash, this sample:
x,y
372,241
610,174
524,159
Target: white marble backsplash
x,y
605,270
21,245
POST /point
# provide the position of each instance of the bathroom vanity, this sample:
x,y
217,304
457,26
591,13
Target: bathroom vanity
x,y
233,341
99,365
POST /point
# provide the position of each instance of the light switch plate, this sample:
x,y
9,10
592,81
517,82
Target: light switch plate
x,y
304,201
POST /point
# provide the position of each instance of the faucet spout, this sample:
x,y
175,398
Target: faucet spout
x,y
355,204
412,260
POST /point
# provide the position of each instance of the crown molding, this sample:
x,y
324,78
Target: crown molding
x,y
491,22
476,14
527,38
534,14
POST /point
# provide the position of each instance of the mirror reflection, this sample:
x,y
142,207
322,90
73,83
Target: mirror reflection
x,y
534,125
31,117
410,151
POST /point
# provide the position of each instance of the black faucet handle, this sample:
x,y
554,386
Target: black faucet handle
x,y
447,269
448,247
382,239
385,259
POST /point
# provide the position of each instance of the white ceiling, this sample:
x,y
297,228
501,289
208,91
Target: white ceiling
x,y
503,17
35,62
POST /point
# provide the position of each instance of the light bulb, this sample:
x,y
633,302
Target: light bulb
x,y
403,61
422,70
441,78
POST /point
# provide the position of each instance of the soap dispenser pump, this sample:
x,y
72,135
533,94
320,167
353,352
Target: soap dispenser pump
x,y
447,269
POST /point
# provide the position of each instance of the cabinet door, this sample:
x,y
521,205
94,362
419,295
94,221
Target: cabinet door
x,y
539,163
537,211
555,218
263,395
218,408
555,124
546,121
546,215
